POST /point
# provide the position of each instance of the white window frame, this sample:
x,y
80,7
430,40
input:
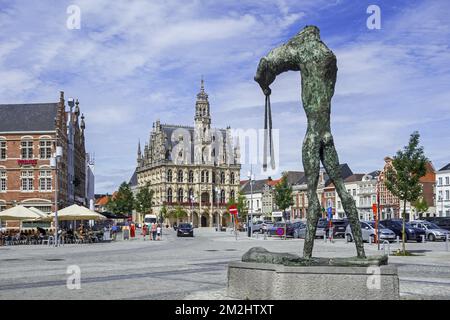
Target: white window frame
x,y
47,148
3,148
3,180
27,147
45,179
27,177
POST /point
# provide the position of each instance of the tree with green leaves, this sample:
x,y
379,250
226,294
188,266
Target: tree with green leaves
x,y
179,213
403,178
421,206
164,213
123,201
283,194
144,200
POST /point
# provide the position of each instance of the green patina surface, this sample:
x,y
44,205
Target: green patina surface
x,y
306,53
261,255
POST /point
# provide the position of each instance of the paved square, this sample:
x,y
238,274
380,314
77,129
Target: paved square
x,y
185,268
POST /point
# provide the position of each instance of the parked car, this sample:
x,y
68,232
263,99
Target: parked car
x,y
339,227
289,228
441,222
368,232
299,230
322,228
185,229
396,225
257,226
432,231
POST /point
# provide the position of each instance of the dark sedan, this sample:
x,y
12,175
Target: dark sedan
x,y
185,230
396,225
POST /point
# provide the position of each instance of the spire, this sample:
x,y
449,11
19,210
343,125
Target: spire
x,y
139,148
82,124
77,108
202,112
202,95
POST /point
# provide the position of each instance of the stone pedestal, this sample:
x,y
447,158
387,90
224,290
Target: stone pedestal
x,y
261,281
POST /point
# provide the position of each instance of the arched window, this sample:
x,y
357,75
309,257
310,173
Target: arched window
x,y
213,177
207,176
180,175
203,176
222,177
232,178
180,196
191,195
232,195
191,176
169,195
169,175
222,196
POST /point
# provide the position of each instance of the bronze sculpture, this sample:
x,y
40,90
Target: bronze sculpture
x,y
306,53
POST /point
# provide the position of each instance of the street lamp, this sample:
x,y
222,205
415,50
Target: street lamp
x,y
54,164
251,178
191,216
216,190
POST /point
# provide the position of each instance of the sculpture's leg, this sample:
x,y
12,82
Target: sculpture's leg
x,y
330,161
311,164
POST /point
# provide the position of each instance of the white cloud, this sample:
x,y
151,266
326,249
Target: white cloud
x,y
135,61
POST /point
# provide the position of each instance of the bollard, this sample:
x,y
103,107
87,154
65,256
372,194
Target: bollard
x,y
423,238
398,240
370,240
325,238
446,242
384,247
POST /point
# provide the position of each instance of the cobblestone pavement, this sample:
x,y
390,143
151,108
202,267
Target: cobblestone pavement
x,y
185,268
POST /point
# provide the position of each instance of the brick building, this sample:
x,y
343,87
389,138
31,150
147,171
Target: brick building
x,y
29,134
390,205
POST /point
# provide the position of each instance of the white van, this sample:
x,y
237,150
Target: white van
x,y
149,219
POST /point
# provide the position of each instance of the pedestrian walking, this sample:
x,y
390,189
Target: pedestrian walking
x,y
158,232
154,230
114,232
144,231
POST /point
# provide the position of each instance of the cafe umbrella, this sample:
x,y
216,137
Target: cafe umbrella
x,y
18,213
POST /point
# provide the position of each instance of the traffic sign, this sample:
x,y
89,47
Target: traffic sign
x,y
330,213
277,214
374,208
280,231
233,209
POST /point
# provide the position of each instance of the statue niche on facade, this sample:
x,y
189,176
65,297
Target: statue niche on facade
x,y
306,53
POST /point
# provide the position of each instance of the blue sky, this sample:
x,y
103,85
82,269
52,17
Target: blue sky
x,y
133,62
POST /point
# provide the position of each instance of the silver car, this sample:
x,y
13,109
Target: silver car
x,y
432,231
368,232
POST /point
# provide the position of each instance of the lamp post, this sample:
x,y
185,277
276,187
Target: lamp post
x,y
54,163
216,192
251,178
191,216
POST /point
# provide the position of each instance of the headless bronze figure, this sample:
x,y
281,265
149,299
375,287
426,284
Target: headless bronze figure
x,y
306,53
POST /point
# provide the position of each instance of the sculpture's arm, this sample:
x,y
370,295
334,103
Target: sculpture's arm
x,y
278,60
290,56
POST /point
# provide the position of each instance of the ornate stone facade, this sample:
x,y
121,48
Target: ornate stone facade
x,y
196,167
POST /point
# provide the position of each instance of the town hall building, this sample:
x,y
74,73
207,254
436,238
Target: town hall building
x,y
195,167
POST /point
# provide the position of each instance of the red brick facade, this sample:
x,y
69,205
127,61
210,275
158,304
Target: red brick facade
x,y
25,172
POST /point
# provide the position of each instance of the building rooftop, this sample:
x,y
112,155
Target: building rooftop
x,y
444,168
354,177
28,117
